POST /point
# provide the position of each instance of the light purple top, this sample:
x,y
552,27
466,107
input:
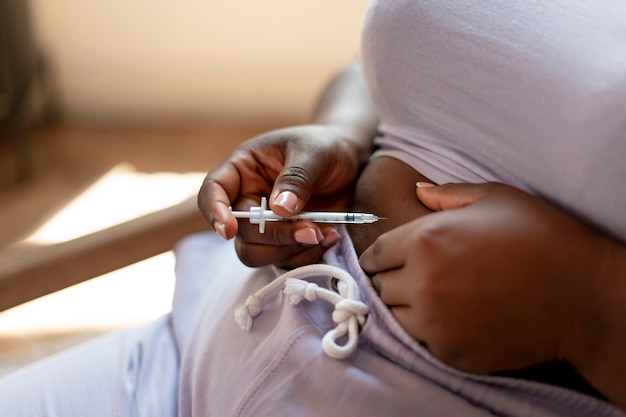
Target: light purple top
x,y
529,93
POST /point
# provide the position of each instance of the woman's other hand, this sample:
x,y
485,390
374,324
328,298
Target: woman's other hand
x,y
496,279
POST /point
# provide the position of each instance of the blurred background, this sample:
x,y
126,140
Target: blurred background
x,y
111,110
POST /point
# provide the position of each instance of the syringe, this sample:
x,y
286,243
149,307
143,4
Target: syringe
x,y
260,215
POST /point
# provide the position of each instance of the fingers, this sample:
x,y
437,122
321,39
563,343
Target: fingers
x,y
450,196
287,257
286,165
406,317
295,183
280,233
318,162
395,295
390,288
284,245
387,251
215,197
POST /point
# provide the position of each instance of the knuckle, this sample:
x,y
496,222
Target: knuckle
x,y
279,234
378,246
429,235
445,188
297,177
204,193
376,251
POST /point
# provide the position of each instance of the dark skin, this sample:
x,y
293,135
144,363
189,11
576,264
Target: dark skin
x,y
459,265
380,184
496,279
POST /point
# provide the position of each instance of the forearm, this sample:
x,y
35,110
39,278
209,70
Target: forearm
x,y
346,103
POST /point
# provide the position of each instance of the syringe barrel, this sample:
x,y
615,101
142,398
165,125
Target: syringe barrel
x,y
331,217
259,215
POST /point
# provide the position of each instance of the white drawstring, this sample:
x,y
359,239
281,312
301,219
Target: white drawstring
x,y
349,311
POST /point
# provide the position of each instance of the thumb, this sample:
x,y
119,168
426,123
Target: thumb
x,y
295,183
449,196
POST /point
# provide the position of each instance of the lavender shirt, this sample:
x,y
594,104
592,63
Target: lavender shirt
x,y
529,93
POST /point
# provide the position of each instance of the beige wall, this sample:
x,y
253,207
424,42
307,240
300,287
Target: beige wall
x,y
137,60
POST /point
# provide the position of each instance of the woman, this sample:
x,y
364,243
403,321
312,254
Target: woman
x,y
463,281
523,96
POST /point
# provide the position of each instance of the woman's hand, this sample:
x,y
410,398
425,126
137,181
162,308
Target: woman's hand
x,y
307,167
498,280
312,167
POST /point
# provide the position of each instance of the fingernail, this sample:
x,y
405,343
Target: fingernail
x,y
306,236
421,184
319,234
331,238
287,200
220,228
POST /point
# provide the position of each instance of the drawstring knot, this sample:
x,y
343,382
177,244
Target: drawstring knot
x,y
345,308
349,313
297,290
244,313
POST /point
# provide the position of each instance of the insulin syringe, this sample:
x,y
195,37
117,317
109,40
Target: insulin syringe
x,y
260,215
